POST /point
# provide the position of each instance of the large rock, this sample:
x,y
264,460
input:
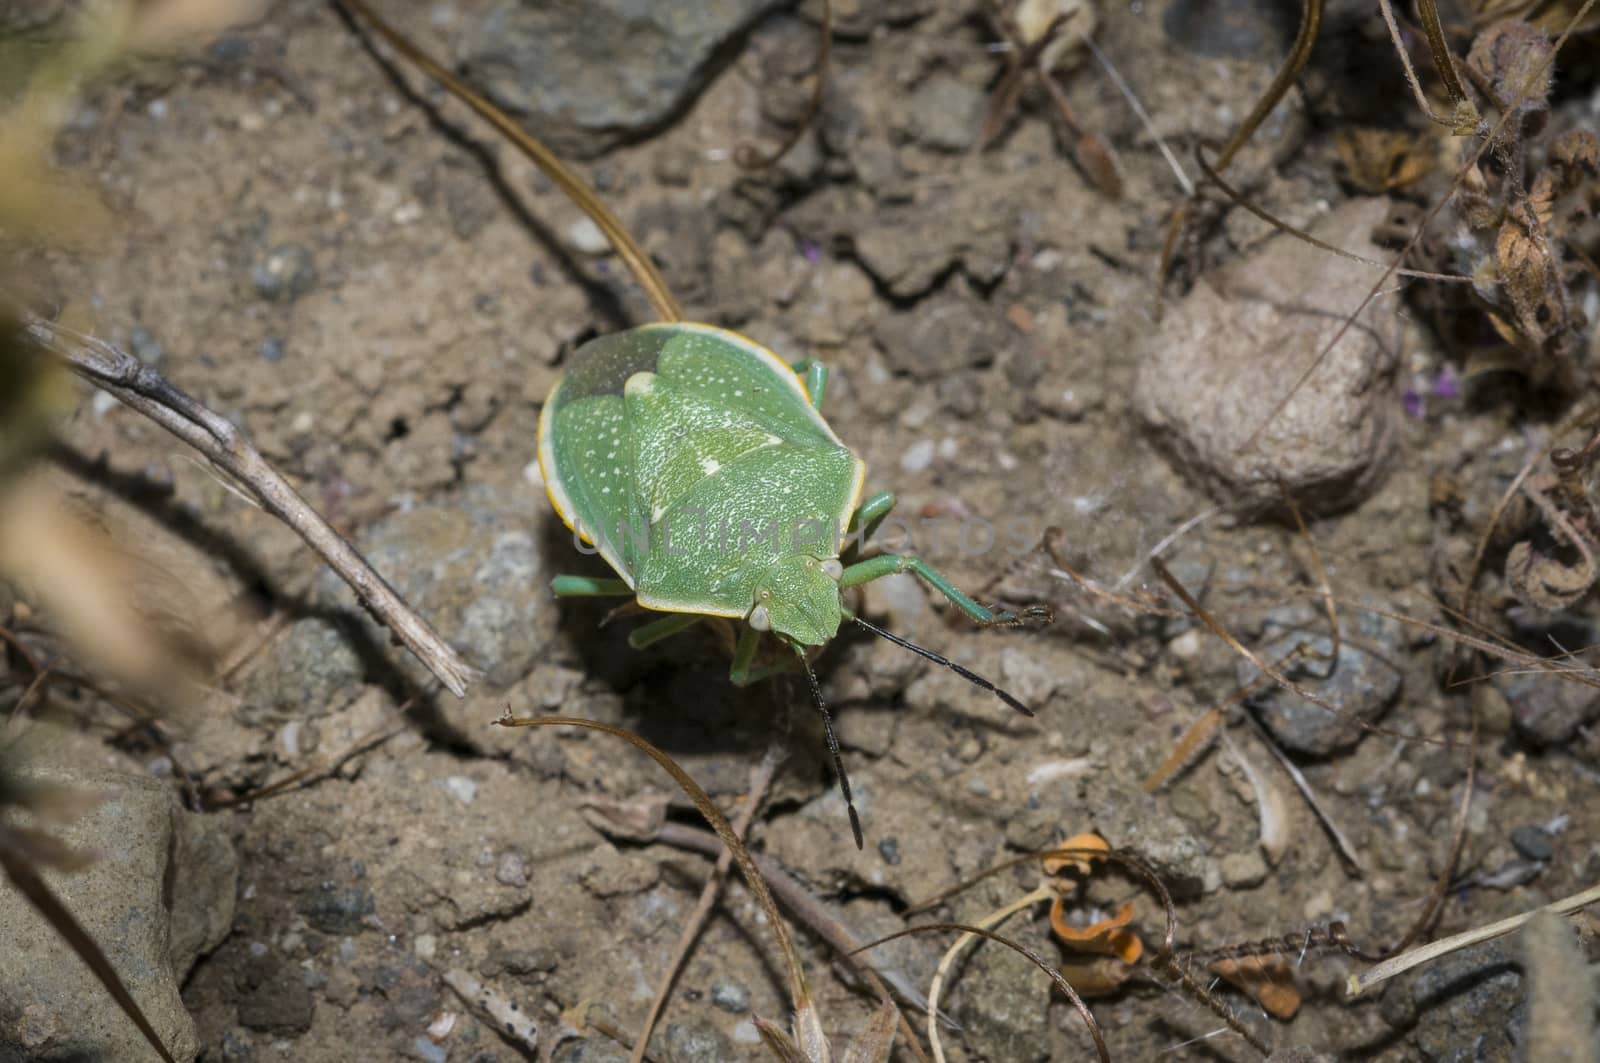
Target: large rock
x,y
590,74
160,895
1238,344
473,569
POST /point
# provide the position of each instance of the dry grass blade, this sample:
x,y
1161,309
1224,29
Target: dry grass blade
x,y
988,922
748,156
760,782
1032,957
1360,983
28,882
880,978
1347,852
808,1038
627,248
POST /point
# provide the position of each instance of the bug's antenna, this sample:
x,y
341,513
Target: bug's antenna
x,y
833,747
965,673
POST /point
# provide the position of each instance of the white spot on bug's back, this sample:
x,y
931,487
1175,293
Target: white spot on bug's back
x,y
710,465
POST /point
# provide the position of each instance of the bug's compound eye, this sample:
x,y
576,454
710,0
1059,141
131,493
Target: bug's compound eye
x,y
759,619
833,568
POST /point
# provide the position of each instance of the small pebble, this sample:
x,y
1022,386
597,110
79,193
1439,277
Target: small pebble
x,y
918,456
1187,646
889,849
585,236
1242,871
271,349
730,996
461,788
285,274
144,346
428,1051
236,1047
674,166
512,869
1533,842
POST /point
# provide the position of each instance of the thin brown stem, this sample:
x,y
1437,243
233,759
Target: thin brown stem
x,y
622,241
141,387
748,156
1239,200
1465,120
760,783
1310,20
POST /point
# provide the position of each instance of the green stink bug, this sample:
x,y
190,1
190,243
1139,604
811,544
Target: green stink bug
x,y
698,465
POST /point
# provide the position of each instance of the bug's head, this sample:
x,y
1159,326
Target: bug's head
x,y
799,599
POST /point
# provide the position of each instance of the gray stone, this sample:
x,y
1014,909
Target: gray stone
x,y
161,893
144,345
1236,346
337,910
730,996
1466,1007
205,883
944,113
308,671
1547,711
590,75
273,997
1134,822
1362,685
1533,842
697,1042
942,334
472,568
590,1050
285,273
1243,871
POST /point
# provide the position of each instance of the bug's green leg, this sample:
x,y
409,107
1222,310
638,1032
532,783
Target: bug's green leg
x,y
889,564
869,515
589,586
744,655
745,671
666,627
816,375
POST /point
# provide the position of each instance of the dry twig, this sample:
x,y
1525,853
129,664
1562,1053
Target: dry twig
x,y
137,385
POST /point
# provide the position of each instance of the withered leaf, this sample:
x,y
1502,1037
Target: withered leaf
x,y
1269,979
1543,581
1381,160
